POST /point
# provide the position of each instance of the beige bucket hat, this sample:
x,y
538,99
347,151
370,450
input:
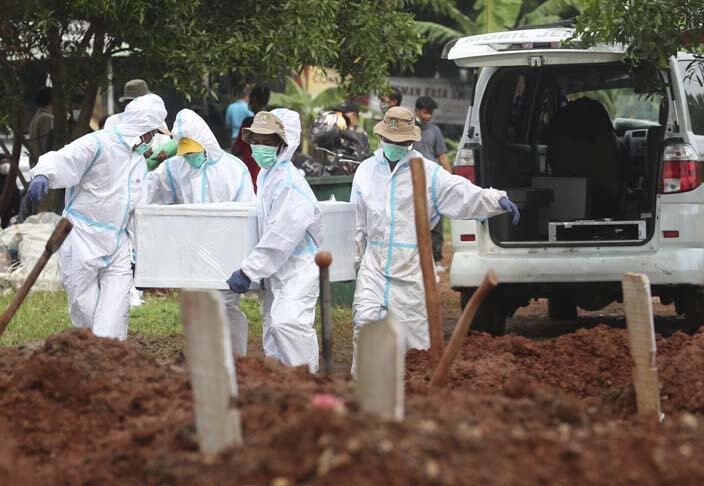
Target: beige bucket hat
x,y
398,125
265,123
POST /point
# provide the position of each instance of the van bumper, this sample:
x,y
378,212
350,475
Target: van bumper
x,y
667,266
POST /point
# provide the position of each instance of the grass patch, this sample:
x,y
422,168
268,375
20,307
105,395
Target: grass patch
x,y
45,313
159,315
42,314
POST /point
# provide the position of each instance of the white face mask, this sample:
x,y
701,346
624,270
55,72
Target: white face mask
x,y
75,114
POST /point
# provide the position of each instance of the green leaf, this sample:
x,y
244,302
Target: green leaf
x,y
551,11
497,15
436,33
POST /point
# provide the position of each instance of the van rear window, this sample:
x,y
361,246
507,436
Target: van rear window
x,y
693,76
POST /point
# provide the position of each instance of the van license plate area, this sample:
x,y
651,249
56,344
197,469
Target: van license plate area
x,y
593,231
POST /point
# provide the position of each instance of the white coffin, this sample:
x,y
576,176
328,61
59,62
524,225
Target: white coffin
x,y
200,245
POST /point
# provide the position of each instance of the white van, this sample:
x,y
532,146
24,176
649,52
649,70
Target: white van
x,y
607,174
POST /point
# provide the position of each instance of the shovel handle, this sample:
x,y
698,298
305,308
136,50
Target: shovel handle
x,y
461,328
58,236
324,259
425,255
55,240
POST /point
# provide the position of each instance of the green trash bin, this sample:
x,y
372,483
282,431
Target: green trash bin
x,y
326,186
342,293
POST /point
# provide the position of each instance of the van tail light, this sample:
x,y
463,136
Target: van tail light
x,y
681,169
466,164
468,238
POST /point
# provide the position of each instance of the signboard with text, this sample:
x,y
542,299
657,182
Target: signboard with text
x,y
451,95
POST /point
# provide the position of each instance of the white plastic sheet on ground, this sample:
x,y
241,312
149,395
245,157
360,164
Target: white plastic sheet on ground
x,y
29,240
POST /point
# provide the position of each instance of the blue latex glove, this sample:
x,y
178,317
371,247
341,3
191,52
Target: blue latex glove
x,y
239,282
510,208
38,188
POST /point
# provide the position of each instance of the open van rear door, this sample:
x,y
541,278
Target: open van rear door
x,y
529,47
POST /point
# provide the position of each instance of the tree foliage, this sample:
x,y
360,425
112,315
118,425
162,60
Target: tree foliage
x,y
180,42
183,43
652,30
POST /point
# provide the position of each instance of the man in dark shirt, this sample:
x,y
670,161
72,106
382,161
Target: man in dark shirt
x,y
432,146
41,127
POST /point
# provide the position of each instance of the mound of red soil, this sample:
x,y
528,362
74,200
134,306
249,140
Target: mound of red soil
x,y
89,410
591,364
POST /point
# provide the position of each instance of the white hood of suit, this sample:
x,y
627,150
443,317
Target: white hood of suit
x,y
190,125
292,127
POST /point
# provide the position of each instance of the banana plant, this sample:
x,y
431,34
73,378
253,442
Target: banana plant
x,y
488,16
550,11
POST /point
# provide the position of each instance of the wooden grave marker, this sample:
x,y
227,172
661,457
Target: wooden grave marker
x,y
380,369
641,335
212,369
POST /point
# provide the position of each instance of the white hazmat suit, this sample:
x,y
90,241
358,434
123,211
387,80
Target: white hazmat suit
x,y
159,138
290,231
104,178
222,178
390,278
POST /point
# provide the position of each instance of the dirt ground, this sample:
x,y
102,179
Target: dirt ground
x,y
557,407
84,410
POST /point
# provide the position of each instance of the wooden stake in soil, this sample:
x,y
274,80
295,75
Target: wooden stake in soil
x,y
63,228
323,259
425,252
461,329
641,334
380,368
212,366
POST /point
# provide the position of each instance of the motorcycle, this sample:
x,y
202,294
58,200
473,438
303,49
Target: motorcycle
x,y
338,151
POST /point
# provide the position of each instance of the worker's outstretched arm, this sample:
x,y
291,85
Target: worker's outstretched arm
x,y
66,167
456,197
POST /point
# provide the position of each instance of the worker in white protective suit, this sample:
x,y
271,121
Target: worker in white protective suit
x,y
389,278
104,175
201,172
290,232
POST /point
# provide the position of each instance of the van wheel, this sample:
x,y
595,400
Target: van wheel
x,y
562,308
491,315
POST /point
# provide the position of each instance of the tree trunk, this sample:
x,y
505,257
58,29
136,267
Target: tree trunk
x,y
58,79
98,64
8,191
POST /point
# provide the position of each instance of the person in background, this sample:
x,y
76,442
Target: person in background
x,y
290,225
134,88
391,99
105,175
390,280
432,146
243,150
202,172
41,127
351,113
236,112
40,141
259,98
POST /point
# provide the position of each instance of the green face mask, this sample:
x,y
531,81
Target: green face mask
x,y
264,155
394,153
195,159
142,148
